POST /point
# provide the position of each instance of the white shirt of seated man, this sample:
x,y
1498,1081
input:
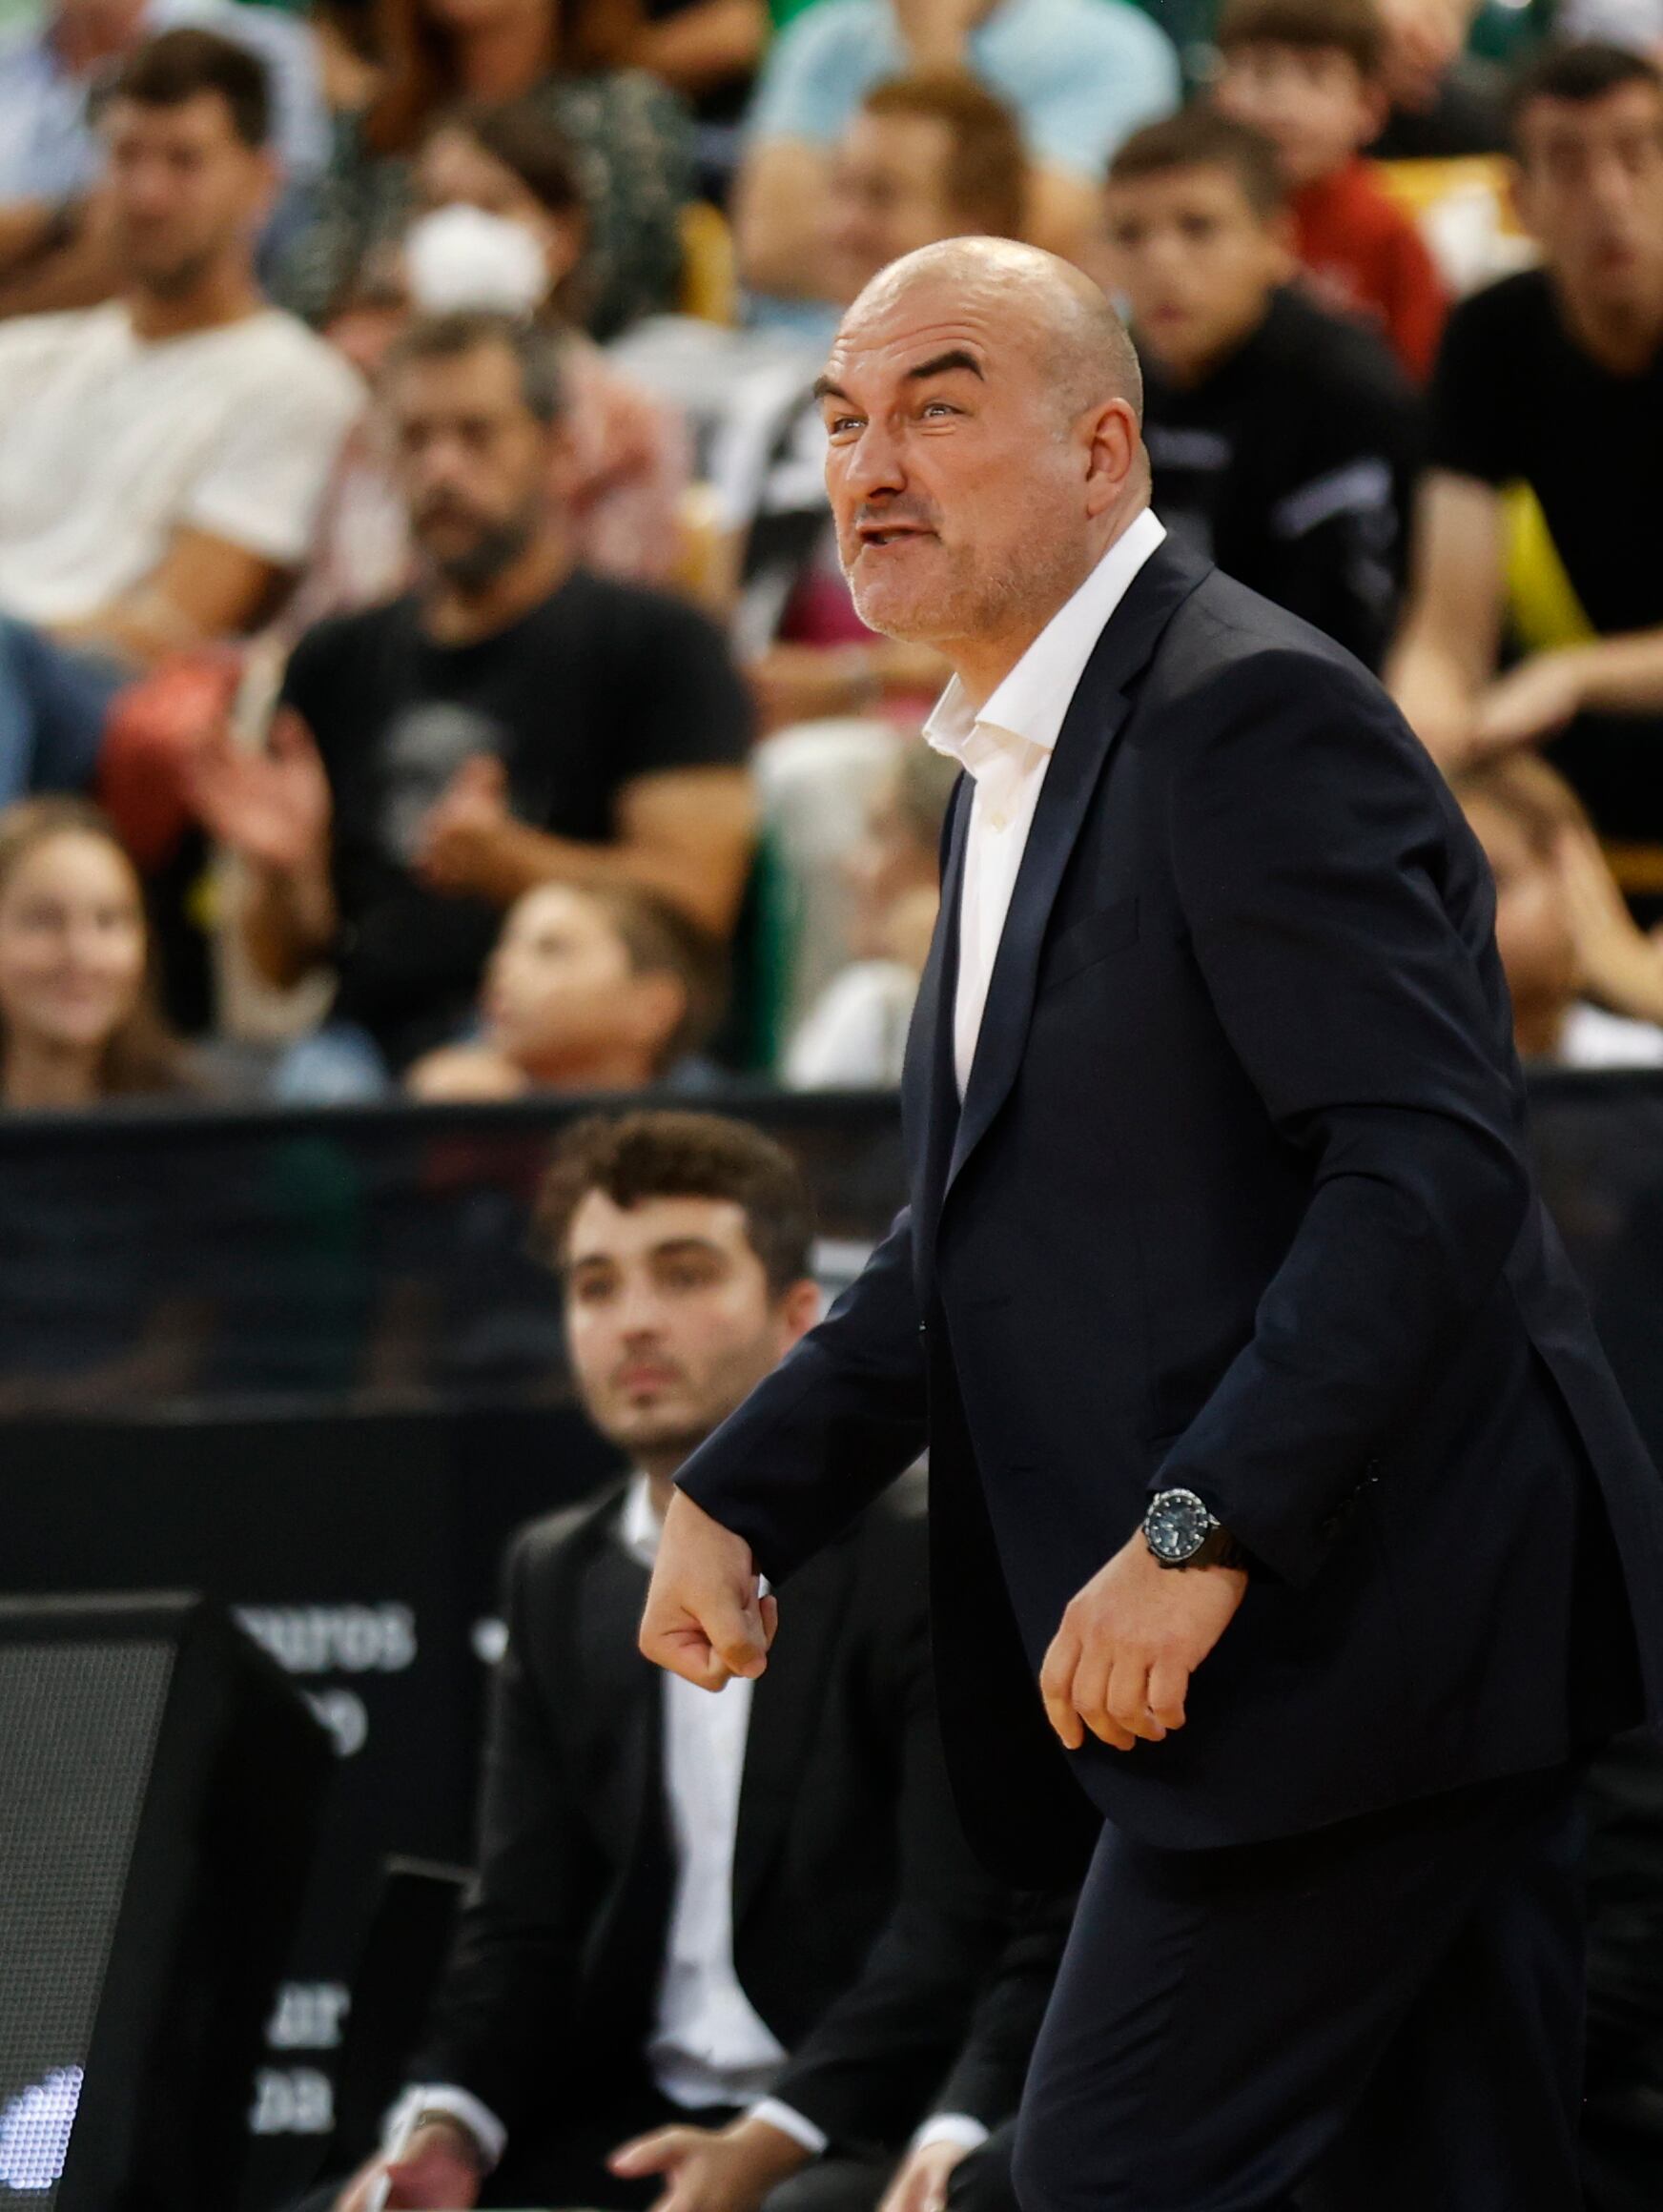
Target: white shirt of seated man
x,y
708,2044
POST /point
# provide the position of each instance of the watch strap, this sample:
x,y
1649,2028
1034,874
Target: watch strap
x,y
1219,1549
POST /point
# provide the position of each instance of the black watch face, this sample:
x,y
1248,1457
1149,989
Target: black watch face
x,y
1177,1524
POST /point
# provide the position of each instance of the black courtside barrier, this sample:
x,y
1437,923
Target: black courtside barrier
x,y
159,1782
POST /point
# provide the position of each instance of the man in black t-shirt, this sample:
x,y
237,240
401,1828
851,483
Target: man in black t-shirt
x,y
1282,435
1539,514
515,719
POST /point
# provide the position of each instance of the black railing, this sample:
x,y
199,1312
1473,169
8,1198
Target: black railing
x,y
225,1263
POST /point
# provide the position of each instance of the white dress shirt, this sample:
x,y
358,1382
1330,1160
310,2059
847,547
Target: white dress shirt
x,y
1007,748
708,2046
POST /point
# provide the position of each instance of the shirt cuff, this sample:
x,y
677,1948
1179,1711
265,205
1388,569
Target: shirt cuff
x,y
479,2120
813,2140
952,2127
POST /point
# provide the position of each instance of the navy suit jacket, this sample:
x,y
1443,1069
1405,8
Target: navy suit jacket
x,y
1238,1197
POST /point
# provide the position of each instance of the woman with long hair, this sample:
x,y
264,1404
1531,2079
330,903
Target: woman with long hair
x,y
630,138
78,1019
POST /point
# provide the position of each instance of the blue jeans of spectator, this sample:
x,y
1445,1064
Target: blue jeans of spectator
x,y
54,700
338,1065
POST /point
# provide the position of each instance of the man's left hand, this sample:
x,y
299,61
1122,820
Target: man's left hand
x,y
729,2169
1120,1663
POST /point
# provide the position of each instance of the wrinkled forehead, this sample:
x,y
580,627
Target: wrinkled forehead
x,y
889,335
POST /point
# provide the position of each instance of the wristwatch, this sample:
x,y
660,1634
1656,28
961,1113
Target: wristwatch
x,y
1181,1531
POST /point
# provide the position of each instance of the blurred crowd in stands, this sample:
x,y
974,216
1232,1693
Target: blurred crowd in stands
x,y
423,659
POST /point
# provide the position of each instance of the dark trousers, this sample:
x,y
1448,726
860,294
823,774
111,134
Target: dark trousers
x,y
1386,2015
568,2166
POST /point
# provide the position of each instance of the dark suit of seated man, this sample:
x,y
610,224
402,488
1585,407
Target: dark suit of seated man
x,y
960,2157
711,1939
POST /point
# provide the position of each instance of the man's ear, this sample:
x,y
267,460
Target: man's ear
x,y
801,1306
1114,443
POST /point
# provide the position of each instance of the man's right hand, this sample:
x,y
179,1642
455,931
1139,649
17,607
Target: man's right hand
x,y
438,2171
705,1618
274,808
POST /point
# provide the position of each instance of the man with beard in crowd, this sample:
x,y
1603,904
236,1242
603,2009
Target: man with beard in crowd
x,y
513,720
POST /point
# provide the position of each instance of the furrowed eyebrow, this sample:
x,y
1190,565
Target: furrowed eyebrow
x,y
938,365
956,357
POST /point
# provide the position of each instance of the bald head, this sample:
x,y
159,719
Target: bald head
x,y
1033,299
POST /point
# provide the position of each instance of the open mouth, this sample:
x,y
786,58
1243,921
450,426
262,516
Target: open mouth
x,y
896,535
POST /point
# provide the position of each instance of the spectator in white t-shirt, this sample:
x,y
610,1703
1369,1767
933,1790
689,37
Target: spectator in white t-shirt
x,y
162,457
1587,984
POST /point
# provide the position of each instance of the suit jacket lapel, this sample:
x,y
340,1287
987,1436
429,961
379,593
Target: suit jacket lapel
x,y
782,1719
623,1692
1096,714
617,1697
930,1083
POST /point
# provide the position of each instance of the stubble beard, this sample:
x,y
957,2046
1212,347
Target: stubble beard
x,y
975,599
179,278
473,567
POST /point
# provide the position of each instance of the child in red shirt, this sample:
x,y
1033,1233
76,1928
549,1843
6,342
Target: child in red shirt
x,y
1308,73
